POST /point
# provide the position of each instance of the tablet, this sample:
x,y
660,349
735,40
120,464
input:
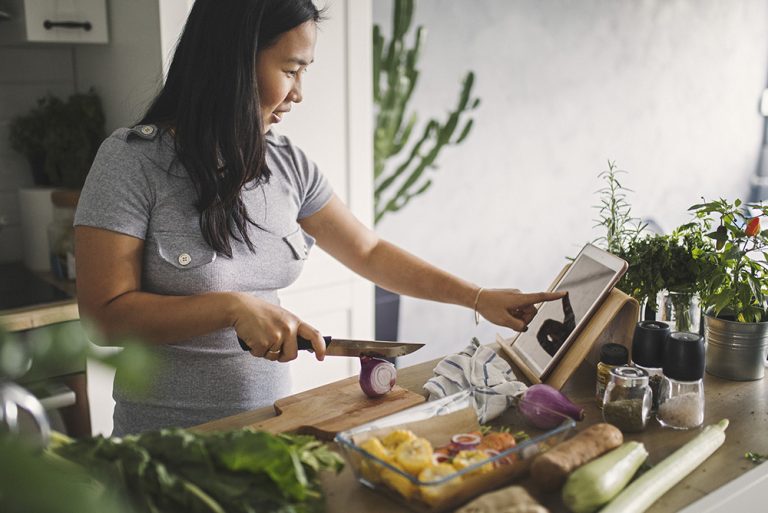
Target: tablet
x,y
588,281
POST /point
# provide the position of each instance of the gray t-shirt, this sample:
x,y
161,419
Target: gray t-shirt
x,y
138,187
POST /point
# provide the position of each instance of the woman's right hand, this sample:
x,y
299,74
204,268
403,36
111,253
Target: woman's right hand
x,y
270,331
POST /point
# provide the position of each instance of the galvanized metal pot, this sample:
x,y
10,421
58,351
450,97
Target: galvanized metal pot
x,y
736,350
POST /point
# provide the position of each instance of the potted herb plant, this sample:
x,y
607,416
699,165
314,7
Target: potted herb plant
x,y
659,265
666,267
59,139
734,288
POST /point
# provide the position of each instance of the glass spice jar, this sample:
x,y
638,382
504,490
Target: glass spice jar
x,y
611,356
627,401
681,398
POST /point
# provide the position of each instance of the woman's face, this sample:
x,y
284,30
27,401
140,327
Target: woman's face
x,y
279,71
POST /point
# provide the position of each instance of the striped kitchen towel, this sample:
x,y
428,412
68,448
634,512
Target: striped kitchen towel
x,y
480,368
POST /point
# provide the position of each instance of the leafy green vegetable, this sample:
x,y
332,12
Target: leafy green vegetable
x,y
31,482
238,471
755,457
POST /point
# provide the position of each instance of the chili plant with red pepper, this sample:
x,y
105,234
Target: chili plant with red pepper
x,y
735,285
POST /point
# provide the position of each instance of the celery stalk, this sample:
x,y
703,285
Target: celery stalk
x,y
642,493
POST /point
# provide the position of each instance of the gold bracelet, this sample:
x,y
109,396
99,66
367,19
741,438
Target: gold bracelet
x,y
477,298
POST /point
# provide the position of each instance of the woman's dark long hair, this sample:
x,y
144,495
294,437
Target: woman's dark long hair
x,y
211,101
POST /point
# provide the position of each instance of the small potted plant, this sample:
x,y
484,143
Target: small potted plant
x,y
666,267
734,288
59,139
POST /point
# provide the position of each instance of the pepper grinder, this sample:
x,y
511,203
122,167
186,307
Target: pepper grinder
x,y
681,397
648,353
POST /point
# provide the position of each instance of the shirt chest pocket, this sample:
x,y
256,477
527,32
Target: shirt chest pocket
x,y
299,243
184,251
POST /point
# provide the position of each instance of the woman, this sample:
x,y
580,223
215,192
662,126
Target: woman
x,y
192,220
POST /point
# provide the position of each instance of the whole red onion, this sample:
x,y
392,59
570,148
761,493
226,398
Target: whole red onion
x,y
541,403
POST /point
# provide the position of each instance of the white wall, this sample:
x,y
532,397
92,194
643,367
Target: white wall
x,y
127,72
666,88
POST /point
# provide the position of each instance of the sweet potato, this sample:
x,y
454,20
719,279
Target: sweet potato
x,y
550,469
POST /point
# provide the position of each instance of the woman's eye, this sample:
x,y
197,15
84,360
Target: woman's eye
x,y
292,72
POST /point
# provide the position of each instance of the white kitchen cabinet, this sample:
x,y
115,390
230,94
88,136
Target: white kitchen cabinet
x,y
54,21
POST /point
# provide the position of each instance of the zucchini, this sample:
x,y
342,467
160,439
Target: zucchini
x,y
641,494
594,484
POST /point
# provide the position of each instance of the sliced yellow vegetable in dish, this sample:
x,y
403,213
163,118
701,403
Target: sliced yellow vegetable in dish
x,y
414,455
398,482
466,459
434,493
395,438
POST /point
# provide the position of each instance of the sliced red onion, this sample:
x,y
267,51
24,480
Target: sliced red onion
x,y
541,403
439,457
377,376
465,441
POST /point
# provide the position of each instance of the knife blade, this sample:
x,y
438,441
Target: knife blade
x,y
355,348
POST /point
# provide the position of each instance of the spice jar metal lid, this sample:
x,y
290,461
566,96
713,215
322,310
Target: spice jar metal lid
x,y
648,343
614,354
629,376
684,356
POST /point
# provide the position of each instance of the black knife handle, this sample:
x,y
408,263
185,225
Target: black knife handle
x,y
303,343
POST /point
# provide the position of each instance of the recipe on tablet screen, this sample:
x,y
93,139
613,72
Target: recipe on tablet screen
x,y
586,282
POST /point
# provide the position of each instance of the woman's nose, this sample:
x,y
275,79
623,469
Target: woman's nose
x,y
296,95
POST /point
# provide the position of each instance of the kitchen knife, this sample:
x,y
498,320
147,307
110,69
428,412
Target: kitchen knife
x,y
356,348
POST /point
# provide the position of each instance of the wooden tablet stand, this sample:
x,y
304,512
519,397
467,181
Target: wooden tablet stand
x,y
614,321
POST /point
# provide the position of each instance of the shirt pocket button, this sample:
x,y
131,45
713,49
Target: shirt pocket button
x,y
184,259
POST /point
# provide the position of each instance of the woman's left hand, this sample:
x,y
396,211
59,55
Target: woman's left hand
x,y
512,308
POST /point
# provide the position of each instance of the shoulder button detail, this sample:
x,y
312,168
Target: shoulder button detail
x,y
144,131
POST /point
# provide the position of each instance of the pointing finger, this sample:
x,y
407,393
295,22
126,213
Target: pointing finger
x,y
540,297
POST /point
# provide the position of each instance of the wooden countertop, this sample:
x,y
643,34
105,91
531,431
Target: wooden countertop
x,y
743,402
36,316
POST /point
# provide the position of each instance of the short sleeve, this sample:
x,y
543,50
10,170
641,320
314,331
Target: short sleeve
x,y
117,195
316,191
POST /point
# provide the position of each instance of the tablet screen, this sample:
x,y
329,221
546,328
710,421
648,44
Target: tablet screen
x,y
556,320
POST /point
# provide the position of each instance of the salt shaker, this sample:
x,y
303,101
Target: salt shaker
x,y
681,398
627,401
648,353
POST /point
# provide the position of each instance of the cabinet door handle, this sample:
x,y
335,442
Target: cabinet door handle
x,y
57,397
85,25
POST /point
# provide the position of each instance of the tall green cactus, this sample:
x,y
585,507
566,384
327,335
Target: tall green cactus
x,y
394,78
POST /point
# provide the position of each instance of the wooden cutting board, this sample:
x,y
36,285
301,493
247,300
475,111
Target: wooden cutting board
x,y
325,411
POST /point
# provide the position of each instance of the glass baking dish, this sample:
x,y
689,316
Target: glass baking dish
x,y
437,421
